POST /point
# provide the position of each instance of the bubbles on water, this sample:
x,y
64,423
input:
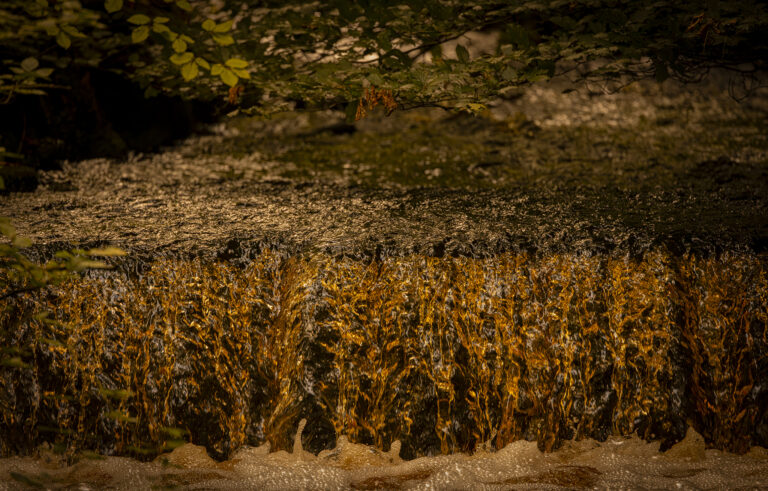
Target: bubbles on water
x,y
617,463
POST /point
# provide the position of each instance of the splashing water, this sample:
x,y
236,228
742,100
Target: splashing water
x,y
616,463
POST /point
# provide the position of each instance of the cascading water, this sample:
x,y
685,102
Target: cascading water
x,y
578,283
442,354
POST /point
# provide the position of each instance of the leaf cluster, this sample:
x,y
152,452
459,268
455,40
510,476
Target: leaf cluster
x,y
297,53
20,274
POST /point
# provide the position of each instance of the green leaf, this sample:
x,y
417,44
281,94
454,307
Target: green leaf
x,y
44,72
384,41
21,242
52,342
236,63
228,77
160,28
181,58
45,317
375,79
120,416
223,27
436,52
30,91
179,45
14,362
119,394
72,31
184,5
242,73
29,64
396,60
171,444
13,155
209,25
173,432
217,69
160,20
139,19
509,73
112,6
51,28
6,228
63,40
476,108
462,54
79,264
224,40
140,34
537,75
203,63
107,251
189,71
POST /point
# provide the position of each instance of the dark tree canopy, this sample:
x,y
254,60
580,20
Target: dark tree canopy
x,y
269,56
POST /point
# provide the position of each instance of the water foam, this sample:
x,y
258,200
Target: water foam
x,y
616,463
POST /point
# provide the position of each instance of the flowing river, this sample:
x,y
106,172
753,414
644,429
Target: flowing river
x,y
568,292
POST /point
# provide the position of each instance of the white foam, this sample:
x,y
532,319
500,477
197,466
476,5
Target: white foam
x,y
616,463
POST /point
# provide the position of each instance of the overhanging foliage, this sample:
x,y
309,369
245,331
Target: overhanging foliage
x,y
268,56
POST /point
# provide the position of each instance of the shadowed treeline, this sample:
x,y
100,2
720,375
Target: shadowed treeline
x,y
443,354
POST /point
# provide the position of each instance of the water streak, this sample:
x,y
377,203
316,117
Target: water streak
x,y
441,354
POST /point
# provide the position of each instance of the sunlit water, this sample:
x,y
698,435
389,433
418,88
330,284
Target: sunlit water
x,y
442,354
270,280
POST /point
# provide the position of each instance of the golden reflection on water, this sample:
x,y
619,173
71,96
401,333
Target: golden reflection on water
x,y
443,354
